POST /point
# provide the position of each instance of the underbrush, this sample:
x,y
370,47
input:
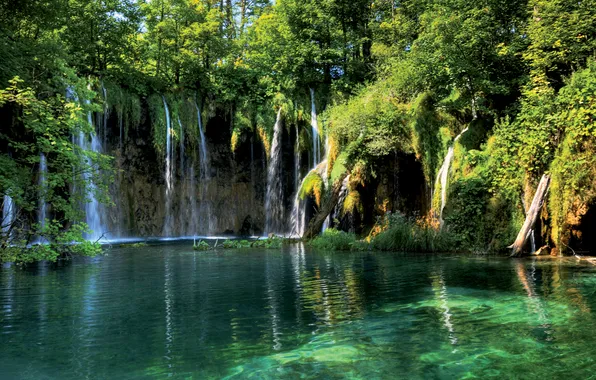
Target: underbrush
x,y
334,240
403,234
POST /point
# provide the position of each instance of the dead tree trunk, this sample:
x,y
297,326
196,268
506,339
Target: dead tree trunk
x,y
531,216
316,223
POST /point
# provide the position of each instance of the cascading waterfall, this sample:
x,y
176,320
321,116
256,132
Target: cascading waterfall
x,y
93,209
315,130
443,175
181,135
182,221
297,160
298,218
206,218
204,164
343,193
168,170
121,126
327,221
8,214
194,215
105,115
42,213
274,209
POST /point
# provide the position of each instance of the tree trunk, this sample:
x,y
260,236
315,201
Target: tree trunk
x,y
316,223
531,216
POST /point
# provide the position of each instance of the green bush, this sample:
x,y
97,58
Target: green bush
x,y
236,244
269,243
405,235
201,246
334,240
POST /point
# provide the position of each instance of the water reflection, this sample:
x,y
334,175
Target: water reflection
x,y
440,290
171,312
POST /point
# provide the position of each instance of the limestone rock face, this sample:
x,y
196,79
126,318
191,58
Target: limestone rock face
x,y
213,203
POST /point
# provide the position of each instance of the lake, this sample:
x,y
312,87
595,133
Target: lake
x,y
166,311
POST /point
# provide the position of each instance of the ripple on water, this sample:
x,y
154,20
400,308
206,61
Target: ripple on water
x,y
167,311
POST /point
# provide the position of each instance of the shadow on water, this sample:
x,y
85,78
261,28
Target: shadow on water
x,y
168,311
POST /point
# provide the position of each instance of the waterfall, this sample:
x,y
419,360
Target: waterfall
x,y
327,221
8,214
274,209
206,218
443,175
168,169
297,160
315,129
181,136
120,124
105,116
93,209
194,216
42,213
343,193
298,217
204,164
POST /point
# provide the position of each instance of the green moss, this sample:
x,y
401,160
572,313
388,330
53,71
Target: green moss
x,y
352,203
157,116
313,185
334,240
339,167
573,189
432,131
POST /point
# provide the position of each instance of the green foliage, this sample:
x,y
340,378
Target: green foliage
x,y
432,129
392,77
573,189
202,245
61,243
334,240
313,185
560,34
406,235
236,244
369,125
45,126
141,244
269,243
339,167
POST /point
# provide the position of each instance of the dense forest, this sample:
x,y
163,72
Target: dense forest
x,y
438,121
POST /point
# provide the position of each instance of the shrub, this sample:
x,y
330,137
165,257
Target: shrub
x,y
270,243
408,235
334,240
201,246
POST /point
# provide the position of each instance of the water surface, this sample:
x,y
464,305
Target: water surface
x,y
169,312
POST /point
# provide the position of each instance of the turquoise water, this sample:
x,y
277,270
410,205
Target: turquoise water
x,y
169,312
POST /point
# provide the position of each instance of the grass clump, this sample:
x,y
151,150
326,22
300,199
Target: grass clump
x,y
269,243
201,246
236,244
403,234
313,185
334,240
136,245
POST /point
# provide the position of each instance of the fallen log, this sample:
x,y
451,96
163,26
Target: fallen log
x,y
531,216
316,223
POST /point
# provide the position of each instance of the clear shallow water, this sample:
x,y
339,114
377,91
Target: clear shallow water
x,y
166,311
